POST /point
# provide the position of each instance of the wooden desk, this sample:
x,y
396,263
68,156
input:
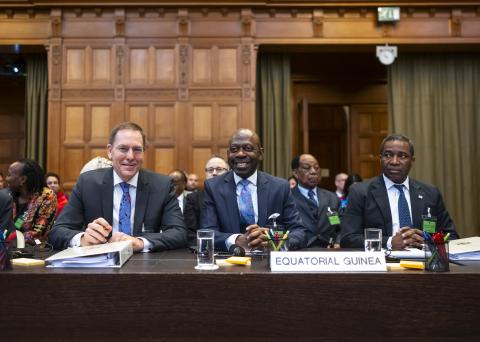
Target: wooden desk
x,y
161,296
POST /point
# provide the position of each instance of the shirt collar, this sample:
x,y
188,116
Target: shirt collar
x,y
252,178
304,191
389,183
117,180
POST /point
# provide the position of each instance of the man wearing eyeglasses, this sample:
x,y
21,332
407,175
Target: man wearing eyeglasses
x,y
122,203
314,203
215,166
394,202
237,204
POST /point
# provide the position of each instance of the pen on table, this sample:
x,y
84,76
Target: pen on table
x,y
283,241
269,239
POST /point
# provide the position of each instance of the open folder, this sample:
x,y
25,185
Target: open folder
x,y
113,254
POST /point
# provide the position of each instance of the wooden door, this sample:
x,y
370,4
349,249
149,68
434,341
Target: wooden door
x,y
369,126
327,127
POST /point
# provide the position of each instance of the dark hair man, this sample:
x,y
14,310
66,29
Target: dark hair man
x,y
394,202
130,202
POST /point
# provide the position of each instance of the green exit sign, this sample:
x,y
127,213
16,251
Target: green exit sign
x,y
386,14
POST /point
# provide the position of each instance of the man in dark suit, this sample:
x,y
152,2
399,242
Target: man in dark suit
x,y
215,166
394,202
179,179
238,203
122,203
313,202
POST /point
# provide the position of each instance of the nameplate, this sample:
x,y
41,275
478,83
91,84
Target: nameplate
x,y
327,262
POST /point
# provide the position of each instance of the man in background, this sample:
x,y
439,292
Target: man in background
x,y
192,183
314,203
179,180
214,167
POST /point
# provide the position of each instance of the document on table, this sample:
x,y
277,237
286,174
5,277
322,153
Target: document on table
x,y
409,253
465,249
113,254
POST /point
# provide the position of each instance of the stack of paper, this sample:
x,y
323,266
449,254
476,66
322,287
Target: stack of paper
x,y
465,249
113,254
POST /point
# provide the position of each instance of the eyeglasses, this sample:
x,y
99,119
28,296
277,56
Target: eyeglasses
x,y
306,168
389,156
246,148
213,169
124,149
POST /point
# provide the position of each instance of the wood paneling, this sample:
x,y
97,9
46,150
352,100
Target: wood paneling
x,y
164,160
74,124
165,66
227,65
101,66
100,124
202,66
165,123
75,65
202,123
228,122
138,65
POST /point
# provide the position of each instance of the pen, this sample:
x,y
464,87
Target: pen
x,y
269,239
445,239
283,241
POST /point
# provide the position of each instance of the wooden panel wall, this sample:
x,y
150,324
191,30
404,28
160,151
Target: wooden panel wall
x,y
187,73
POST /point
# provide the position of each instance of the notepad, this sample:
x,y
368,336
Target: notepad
x,y
27,262
239,260
418,265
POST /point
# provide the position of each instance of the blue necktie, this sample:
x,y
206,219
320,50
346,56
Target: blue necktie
x,y
125,210
311,197
403,213
247,213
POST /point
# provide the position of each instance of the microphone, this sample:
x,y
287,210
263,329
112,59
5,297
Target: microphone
x,y
236,250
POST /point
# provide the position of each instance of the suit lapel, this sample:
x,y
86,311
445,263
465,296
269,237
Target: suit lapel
x,y
417,202
230,198
262,198
379,192
106,193
140,203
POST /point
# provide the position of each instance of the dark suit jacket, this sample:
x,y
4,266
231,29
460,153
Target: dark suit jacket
x,y
220,208
368,206
315,218
6,217
157,216
191,213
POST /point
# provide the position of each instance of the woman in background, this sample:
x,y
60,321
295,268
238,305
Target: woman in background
x,y
351,179
53,183
34,205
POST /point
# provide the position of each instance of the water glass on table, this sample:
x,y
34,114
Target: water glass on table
x,y
205,250
373,240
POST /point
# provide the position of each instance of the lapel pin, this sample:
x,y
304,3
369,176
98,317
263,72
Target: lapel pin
x,y
420,196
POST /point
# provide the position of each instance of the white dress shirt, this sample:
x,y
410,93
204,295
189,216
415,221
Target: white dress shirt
x,y
393,196
252,187
117,198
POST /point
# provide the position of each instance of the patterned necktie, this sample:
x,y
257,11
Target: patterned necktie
x,y
125,210
403,212
247,213
311,197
